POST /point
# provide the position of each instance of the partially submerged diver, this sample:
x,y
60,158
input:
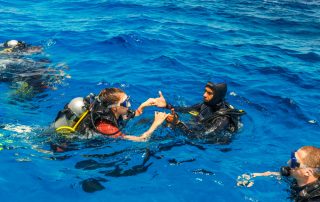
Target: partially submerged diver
x,y
27,74
20,47
104,114
303,167
212,118
29,77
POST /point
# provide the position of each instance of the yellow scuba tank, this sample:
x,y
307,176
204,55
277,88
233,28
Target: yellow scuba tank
x,y
69,118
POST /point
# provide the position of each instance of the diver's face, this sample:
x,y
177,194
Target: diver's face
x,y
123,109
299,170
208,94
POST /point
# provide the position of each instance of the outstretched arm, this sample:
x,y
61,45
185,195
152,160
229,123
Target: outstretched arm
x,y
159,117
265,174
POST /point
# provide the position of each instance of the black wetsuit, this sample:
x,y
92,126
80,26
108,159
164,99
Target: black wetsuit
x,y
307,193
210,121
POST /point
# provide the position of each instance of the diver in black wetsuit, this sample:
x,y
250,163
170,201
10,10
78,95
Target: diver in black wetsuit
x,y
304,169
212,117
28,75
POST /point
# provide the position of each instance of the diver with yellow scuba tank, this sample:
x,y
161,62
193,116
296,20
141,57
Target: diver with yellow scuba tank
x,y
211,117
104,114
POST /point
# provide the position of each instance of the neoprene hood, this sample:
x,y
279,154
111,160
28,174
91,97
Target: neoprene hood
x,y
220,91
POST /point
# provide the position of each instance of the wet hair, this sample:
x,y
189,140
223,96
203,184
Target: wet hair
x,y
109,96
312,158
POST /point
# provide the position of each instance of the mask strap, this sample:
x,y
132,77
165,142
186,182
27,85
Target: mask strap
x,y
118,104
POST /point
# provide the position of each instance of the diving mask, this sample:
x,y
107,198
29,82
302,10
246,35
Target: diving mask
x,y
126,102
293,163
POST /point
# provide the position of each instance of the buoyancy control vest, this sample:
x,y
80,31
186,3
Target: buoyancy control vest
x,y
227,111
99,112
218,118
82,114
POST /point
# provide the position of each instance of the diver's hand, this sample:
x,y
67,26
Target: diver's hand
x,y
245,180
173,118
170,118
159,118
160,101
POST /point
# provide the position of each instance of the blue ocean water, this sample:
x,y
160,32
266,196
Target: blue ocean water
x,y
266,50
